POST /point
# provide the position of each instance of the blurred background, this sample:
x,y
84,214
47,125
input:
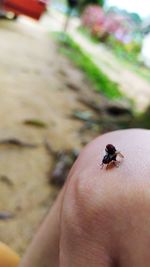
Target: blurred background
x,y
69,71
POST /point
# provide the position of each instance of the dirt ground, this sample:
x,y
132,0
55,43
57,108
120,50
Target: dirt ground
x,y
34,85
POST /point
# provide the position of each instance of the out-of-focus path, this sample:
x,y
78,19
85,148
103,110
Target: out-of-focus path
x,y
34,86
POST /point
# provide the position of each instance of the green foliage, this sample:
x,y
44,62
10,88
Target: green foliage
x,y
142,120
84,3
129,60
136,18
100,81
129,52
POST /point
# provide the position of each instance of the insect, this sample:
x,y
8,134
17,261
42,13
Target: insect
x,y
111,156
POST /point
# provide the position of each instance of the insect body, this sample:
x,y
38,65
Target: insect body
x,y
111,156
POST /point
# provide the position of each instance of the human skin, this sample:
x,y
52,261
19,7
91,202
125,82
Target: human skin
x,y
102,216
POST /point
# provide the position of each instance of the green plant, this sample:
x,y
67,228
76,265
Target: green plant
x,y
100,80
84,3
129,52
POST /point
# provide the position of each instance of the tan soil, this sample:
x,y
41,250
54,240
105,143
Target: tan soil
x,y
33,85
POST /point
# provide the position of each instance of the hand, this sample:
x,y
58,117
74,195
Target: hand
x,y
102,216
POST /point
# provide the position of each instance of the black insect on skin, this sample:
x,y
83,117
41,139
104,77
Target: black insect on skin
x,y
111,156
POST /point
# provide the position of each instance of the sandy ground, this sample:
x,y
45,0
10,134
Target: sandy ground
x,y
33,85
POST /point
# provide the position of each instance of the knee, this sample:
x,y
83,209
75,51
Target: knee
x,y
96,199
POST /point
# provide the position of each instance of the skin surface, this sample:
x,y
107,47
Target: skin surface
x,y
102,216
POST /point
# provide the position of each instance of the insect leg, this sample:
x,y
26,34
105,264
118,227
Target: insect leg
x,y
118,153
116,163
101,165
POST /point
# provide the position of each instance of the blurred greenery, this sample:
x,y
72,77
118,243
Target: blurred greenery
x,y
142,120
100,80
126,55
83,3
128,51
133,15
